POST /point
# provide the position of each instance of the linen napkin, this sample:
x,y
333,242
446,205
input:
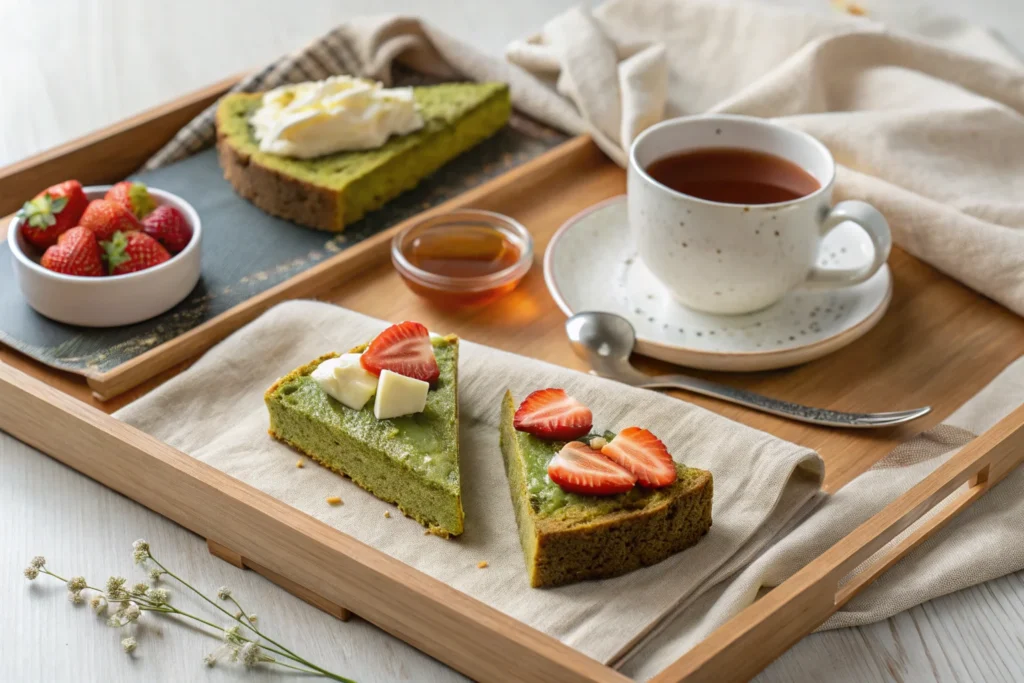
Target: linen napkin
x,y
929,131
215,412
981,543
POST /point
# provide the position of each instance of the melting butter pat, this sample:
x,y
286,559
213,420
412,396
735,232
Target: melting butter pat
x,y
399,395
345,380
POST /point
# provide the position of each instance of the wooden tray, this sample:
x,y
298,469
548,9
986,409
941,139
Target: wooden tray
x,y
251,258
939,344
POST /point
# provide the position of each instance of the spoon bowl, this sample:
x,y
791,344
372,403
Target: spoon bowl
x,y
606,340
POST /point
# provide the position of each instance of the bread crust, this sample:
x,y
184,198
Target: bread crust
x,y
277,193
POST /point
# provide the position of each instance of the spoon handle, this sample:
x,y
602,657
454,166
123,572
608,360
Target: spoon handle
x,y
793,411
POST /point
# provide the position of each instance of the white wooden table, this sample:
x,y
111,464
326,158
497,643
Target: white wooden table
x,y
82,64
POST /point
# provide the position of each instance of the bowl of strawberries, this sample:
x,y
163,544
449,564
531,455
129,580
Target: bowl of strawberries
x,y
105,256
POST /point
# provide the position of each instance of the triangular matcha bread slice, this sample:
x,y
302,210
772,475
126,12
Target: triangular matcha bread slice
x,y
412,461
567,537
331,191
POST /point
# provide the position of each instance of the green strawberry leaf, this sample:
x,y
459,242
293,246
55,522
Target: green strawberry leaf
x,y
114,251
57,204
38,212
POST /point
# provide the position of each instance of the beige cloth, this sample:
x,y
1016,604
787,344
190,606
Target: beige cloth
x,y
214,411
980,544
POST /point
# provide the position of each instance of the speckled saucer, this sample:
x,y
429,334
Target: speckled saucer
x,y
591,265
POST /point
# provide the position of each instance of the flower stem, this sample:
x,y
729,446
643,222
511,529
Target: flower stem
x,y
247,623
147,604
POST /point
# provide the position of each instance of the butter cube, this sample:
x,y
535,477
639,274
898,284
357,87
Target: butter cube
x,y
399,395
345,380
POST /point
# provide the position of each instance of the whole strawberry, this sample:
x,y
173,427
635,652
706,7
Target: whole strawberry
x,y
133,196
105,217
52,212
129,252
76,253
168,226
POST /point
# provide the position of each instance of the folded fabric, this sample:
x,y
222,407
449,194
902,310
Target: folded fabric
x,y
980,544
214,411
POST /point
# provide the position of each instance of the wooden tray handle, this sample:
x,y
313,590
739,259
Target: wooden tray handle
x,y
748,642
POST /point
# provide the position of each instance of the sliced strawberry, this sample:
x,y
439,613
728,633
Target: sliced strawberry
x,y
553,414
643,454
577,468
404,348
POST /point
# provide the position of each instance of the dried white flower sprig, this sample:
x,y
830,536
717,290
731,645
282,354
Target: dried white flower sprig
x,y
242,640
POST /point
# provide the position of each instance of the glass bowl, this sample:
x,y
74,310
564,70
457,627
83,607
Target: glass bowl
x,y
462,258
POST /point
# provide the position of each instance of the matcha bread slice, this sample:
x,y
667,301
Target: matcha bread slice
x,y
411,461
568,537
334,190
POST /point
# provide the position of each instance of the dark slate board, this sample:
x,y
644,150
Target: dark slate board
x,y
245,251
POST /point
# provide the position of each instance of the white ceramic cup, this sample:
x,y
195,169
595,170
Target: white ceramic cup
x,y
738,258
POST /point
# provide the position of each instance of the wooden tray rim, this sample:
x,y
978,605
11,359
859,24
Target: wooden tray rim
x,y
482,642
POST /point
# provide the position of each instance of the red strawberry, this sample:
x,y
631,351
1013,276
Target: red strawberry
x,y
76,253
553,414
132,196
52,212
133,251
643,454
168,226
105,218
404,348
577,468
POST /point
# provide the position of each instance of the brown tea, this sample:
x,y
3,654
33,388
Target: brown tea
x,y
733,176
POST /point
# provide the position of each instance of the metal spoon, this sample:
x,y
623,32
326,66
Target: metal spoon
x,y
606,340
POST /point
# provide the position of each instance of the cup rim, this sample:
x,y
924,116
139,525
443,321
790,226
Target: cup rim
x,y
755,120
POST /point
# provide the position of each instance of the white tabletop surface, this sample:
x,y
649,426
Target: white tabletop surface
x,y
83,64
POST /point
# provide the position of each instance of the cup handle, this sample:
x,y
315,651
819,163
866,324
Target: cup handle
x,y
870,221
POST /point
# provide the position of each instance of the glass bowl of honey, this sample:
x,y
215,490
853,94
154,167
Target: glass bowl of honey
x,y
462,258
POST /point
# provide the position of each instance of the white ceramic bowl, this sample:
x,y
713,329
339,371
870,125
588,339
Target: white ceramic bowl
x,y
112,300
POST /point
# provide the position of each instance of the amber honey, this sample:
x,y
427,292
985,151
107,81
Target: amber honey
x,y
461,262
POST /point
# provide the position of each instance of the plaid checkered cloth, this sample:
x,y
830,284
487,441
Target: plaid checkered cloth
x,y
387,49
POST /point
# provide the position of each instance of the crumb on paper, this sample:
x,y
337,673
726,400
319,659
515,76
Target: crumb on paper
x,y
300,464
334,500
426,532
387,515
482,564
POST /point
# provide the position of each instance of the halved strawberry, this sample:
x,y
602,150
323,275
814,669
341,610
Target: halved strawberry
x,y
643,454
553,414
577,468
404,348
